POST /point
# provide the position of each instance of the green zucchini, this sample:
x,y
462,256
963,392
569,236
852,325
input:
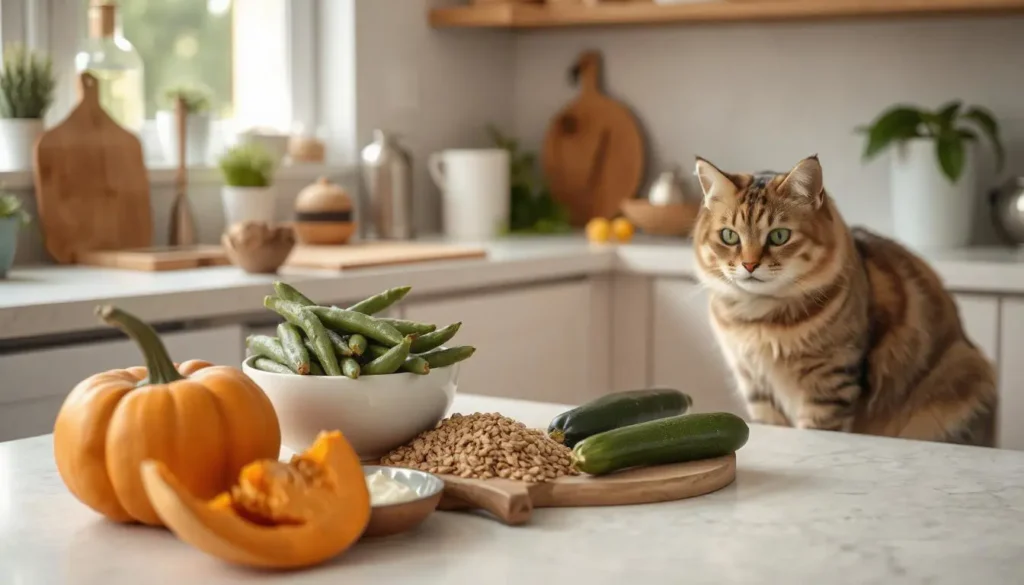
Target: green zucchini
x,y
615,410
675,439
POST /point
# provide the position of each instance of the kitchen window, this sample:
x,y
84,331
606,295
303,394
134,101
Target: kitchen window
x,y
256,57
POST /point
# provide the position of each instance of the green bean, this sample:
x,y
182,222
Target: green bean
x,y
306,319
343,320
413,364
350,368
357,343
290,293
268,365
379,302
315,369
435,339
266,346
340,344
294,350
440,358
406,327
391,360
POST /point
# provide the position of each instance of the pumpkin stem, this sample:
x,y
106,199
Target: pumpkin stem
x,y
158,362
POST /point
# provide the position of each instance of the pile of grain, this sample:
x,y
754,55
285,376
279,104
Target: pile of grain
x,y
485,445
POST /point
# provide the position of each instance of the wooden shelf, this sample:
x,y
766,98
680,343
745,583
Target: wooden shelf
x,y
525,16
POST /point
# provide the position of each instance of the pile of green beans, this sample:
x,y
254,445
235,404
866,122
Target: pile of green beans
x,y
319,340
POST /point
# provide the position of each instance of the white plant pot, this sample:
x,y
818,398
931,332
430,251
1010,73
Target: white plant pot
x,y
17,141
248,204
929,212
197,137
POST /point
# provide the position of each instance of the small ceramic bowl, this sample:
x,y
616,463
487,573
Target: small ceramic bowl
x,y
674,219
257,247
386,520
375,413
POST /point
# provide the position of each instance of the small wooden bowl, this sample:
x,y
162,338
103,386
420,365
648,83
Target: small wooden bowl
x,y
675,219
257,247
398,518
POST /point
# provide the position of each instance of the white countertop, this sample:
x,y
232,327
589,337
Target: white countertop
x,y
806,507
55,299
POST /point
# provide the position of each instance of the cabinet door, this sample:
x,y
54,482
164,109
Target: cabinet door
x,y
686,355
531,343
1011,374
980,317
36,382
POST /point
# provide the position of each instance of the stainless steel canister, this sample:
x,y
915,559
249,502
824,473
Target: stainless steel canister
x,y
387,189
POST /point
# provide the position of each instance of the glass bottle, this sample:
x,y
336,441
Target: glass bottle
x,y
115,63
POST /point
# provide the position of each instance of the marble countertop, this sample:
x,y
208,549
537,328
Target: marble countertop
x,y
52,300
806,507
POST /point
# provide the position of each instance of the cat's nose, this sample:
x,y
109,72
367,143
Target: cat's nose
x,y
751,266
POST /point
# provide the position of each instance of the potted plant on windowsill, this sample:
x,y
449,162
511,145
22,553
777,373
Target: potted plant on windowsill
x,y
26,93
932,181
248,192
197,124
12,217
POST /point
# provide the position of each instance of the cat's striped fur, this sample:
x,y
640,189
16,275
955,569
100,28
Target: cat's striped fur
x,y
832,328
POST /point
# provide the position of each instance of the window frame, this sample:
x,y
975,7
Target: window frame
x,y
55,26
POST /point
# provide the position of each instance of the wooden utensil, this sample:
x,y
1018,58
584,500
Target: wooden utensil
x,y
92,189
513,502
594,152
378,254
182,231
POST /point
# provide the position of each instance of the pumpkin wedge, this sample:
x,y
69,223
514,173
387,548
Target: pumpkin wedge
x,y
205,422
278,515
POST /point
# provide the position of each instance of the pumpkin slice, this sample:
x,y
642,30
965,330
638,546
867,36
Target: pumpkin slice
x,y
279,515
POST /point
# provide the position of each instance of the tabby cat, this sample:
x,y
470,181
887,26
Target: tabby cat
x,y
825,327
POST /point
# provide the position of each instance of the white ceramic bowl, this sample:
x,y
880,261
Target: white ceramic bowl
x,y
375,413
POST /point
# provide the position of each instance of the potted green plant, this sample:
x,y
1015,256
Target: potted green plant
x,y
532,210
26,93
197,123
932,181
248,191
12,217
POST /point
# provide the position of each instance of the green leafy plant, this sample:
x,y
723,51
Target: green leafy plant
x,y
197,97
532,209
951,127
10,206
26,83
248,164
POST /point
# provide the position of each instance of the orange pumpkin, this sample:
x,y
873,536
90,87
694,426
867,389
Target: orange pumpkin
x,y
278,515
205,422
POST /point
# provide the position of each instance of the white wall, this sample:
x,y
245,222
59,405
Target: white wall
x,y
437,89
758,96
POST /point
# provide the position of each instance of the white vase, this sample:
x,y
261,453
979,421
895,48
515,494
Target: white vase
x,y
197,137
929,211
17,142
248,204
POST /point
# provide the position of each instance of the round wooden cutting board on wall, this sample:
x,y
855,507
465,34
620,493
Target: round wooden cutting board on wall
x,y
593,154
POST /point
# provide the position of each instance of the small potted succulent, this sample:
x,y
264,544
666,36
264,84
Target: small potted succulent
x,y
197,124
932,178
12,217
248,192
26,93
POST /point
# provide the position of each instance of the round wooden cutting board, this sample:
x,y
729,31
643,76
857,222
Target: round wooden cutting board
x,y
593,155
513,502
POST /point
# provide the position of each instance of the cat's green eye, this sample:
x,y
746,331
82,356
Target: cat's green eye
x,y
778,236
729,237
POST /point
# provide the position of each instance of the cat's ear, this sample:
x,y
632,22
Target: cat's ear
x,y
713,182
805,182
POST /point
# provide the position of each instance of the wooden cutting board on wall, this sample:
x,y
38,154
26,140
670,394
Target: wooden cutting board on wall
x,y
92,188
594,153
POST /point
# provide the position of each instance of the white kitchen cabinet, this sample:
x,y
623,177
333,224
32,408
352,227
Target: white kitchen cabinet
x,y
34,383
980,317
531,343
685,353
1011,374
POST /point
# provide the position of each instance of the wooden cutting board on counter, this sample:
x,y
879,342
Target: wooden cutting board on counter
x,y
92,188
371,254
594,152
156,259
513,502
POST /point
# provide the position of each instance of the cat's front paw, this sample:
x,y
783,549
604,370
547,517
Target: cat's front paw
x,y
768,416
